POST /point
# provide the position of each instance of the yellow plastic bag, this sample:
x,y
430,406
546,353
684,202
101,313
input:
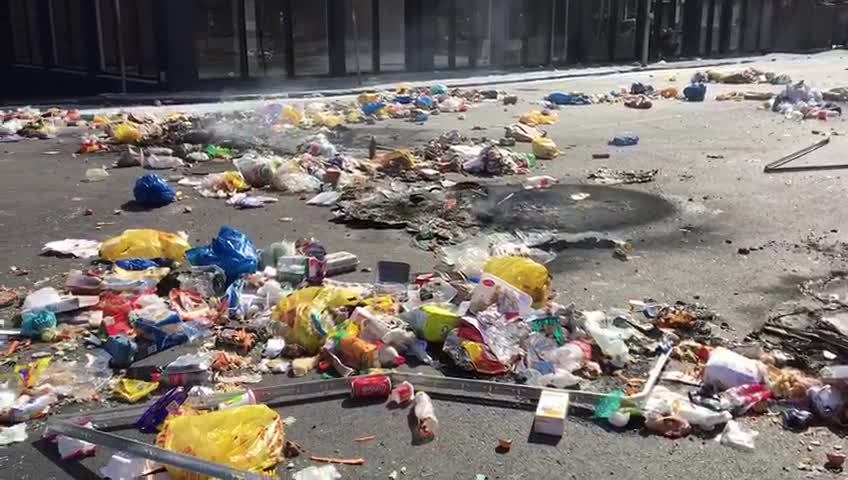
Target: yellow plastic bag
x,y
306,312
249,438
524,274
397,160
32,372
545,148
132,391
535,117
229,182
292,114
353,116
126,133
144,243
327,119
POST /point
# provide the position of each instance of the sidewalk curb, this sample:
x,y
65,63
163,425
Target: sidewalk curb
x,y
176,99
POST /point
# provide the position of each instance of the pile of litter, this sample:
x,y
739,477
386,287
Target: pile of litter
x,y
33,123
248,312
746,76
799,101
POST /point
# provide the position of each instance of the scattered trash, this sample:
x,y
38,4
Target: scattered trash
x,y
545,148
550,413
75,247
607,176
96,174
624,140
738,436
327,472
151,190
696,92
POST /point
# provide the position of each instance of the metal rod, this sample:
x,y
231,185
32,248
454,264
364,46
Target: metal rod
x,y
152,452
356,42
506,394
775,166
646,30
121,47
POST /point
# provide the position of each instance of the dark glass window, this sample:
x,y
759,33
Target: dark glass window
x,y
25,32
217,38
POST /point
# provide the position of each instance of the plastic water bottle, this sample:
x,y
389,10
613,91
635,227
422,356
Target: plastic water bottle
x,y
571,356
608,337
539,182
426,415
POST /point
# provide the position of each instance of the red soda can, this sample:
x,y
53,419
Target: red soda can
x,y
379,386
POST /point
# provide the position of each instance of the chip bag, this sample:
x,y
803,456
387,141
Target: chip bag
x,y
144,243
524,274
131,391
249,438
306,312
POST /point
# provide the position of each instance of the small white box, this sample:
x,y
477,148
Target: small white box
x,y
550,413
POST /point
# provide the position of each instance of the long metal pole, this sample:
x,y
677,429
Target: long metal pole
x,y
356,42
646,13
121,47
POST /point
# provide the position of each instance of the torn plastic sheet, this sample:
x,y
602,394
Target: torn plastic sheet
x,y
79,248
448,388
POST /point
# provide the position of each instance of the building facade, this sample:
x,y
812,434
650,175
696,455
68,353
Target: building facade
x,y
84,47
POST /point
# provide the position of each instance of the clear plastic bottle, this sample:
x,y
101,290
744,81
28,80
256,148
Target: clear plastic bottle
x,y
569,357
426,415
608,337
539,182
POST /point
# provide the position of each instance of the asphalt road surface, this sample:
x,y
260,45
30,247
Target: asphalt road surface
x,y
710,199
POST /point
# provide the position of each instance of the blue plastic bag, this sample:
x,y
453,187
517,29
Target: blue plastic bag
x,y
373,108
151,190
695,92
136,264
34,324
122,349
231,250
233,296
559,98
402,99
424,102
169,332
624,140
438,90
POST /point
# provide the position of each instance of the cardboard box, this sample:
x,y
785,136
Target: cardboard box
x,y
550,413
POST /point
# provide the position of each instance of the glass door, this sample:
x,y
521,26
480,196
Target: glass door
x,y
392,35
266,38
309,37
359,36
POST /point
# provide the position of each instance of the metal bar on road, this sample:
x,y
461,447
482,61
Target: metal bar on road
x,y
777,165
503,394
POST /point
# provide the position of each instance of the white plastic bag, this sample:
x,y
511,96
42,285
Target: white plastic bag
x,y
163,162
296,182
726,369
257,170
41,300
327,472
738,436
665,402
